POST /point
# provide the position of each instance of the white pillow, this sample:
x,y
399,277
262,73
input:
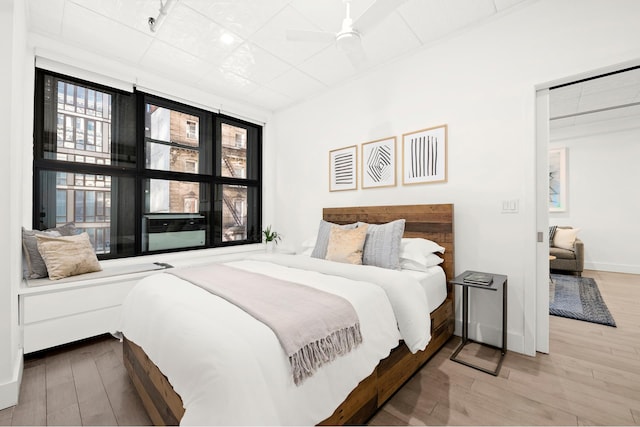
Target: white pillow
x,y
416,252
310,242
565,238
431,260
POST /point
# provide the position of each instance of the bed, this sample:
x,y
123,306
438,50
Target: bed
x,y
376,382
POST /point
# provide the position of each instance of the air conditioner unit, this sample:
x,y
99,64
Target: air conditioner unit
x,y
173,231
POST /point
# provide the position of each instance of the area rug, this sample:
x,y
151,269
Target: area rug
x,y
578,298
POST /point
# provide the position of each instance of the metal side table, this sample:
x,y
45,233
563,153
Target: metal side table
x,y
498,281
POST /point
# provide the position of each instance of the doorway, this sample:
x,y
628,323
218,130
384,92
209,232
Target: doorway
x,y
589,108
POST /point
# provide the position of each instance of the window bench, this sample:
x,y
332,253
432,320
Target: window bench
x,y
57,312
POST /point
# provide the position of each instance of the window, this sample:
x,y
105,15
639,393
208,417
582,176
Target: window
x,y
141,174
192,129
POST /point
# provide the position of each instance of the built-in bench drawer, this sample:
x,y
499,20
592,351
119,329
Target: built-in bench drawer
x,y
40,307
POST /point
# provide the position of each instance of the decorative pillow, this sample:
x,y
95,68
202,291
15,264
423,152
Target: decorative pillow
x,y
416,251
431,260
382,245
322,241
565,238
34,266
68,229
68,255
552,233
346,245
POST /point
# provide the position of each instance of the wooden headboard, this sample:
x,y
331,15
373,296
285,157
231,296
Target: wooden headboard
x,y
433,222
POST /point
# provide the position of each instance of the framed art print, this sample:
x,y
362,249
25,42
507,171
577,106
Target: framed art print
x,y
424,156
558,180
379,163
343,164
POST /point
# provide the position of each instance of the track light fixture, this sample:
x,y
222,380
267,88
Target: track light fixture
x,y
155,23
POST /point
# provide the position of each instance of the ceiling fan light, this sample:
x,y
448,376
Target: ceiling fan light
x,y
348,40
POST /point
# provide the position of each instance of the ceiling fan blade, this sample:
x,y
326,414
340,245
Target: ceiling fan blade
x,y
311,36
377,12
357,56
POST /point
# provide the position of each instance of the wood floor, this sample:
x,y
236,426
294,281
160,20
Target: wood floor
x,y
590,377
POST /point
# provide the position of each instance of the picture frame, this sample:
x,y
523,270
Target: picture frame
x,y
424,156
558,180
343,164
378,164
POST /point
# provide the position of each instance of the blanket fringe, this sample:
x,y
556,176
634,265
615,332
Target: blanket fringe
x,y
313,355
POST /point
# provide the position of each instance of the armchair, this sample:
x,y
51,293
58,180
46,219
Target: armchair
x,y
571,260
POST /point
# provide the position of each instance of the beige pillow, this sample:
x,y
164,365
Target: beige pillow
x,y
565,238
346,245
68,255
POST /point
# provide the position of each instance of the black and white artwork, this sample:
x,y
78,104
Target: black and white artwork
x,y
342,169
424,156
379,163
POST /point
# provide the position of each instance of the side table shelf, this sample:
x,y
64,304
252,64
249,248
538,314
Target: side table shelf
x,y
498,281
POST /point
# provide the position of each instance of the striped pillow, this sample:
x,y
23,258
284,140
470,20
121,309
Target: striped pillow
x,y
552,233
382,247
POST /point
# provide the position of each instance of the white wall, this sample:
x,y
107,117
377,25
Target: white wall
x,y
12,48
602,181
482,84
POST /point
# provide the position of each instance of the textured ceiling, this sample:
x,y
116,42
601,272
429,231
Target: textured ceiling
x,y
238,48
613,96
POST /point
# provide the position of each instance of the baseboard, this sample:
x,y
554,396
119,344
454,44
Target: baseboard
x,y
10,391
493,336
614,268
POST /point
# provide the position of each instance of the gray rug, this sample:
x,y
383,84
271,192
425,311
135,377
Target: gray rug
x,y
578,298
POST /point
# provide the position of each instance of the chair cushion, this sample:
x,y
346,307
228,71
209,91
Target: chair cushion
x,y
562,253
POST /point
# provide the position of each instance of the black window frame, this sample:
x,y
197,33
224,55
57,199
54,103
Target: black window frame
x,y
209,173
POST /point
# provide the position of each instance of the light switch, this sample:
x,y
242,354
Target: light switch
x,y
510,206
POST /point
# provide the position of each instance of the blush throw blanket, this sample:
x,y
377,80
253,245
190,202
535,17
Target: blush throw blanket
x,y
313,326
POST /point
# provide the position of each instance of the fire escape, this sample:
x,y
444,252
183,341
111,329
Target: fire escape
x,y
237,219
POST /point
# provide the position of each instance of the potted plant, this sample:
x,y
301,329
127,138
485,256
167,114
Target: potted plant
x,y
271,238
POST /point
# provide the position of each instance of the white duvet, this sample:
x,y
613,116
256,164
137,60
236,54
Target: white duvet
x,y
230,369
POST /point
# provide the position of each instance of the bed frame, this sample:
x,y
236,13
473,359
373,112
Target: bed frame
x,y
433,222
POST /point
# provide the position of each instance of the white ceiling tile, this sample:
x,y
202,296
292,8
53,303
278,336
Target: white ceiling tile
x,y
464,12
295,84
269,99
427,19
562,107
132,13
272,37
92,31
226,83
379,47
166,60
329,14
605,99
45,16
253,62
186,29
243,17
329,66
505,4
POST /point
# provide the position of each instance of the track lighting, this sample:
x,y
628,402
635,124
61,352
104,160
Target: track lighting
x,y
155,23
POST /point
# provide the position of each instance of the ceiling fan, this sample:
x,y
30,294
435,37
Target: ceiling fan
x,y
348,39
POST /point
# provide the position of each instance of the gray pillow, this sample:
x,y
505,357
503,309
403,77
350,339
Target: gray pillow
x,y
382,245
322,241
68,229
34,266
